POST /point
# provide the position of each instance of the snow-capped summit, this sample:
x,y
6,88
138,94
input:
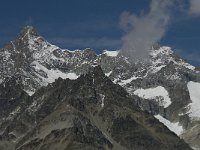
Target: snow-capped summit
x,y
32,58
27,32
165,55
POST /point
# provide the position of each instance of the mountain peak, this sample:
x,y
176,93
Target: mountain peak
x,y
156,46
28,28
27,32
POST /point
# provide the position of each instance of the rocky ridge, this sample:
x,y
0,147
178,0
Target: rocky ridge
x,y
88,113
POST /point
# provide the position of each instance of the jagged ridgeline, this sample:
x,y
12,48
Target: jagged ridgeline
x,y
53,98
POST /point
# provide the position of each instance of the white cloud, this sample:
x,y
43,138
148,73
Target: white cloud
x,y
194,7
142,31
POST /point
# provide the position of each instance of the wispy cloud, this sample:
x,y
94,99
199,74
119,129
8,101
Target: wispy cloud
x,y
194,7
142,31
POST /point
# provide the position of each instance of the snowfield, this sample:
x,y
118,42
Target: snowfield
x,y
159,93
53,74
194,91
124,82
111,53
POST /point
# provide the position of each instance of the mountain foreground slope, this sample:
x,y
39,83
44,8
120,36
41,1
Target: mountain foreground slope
x,y
88,113
166,87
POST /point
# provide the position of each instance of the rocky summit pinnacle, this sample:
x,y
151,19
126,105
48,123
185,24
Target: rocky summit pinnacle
x,y
28,31
23,38
54,82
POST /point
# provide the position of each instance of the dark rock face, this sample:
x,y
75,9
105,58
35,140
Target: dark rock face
x,y
88,113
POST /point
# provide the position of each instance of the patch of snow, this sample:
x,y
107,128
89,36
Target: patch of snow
x,y
194,91
115,80
94,65
71,76
6,55
174,127
108,74
194,148
56,58
155,69
45,76
111,53
159,93
166,54
85,62
102,99
15,111
124,82
53,74
14,47
45,51
186,65
174,76
30,93
164,50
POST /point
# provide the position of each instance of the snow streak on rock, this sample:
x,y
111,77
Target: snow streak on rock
x,y
174,127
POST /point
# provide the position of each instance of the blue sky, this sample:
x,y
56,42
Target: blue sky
x,y
77,24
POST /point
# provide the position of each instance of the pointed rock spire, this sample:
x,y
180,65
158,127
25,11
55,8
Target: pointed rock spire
x,y
27,41
28,31
156,46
